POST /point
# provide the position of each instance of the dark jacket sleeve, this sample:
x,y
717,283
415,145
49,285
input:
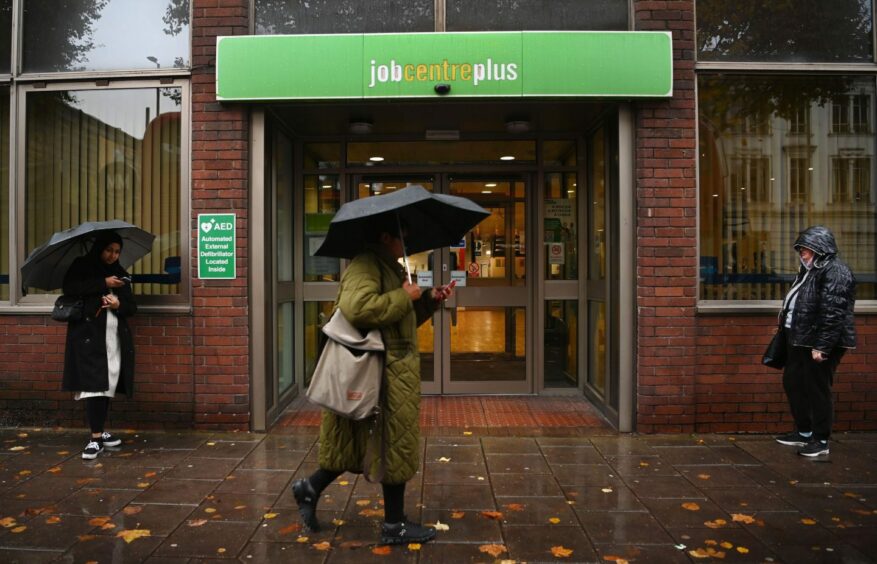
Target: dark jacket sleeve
x,y
425,306
127,305
836,300
83,280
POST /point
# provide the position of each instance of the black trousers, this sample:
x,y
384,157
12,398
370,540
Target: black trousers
x,y
808,388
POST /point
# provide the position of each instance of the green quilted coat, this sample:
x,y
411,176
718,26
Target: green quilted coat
x,y
371,295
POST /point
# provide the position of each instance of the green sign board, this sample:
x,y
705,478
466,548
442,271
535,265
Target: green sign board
x,y
216,245
410,65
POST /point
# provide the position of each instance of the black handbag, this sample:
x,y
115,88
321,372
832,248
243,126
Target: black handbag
x,y
775,355
67,309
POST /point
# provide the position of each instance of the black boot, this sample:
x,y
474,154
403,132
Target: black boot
x,y
306,498
405,532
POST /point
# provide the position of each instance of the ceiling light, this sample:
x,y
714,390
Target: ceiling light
x,y
570,191
491,184
507,158
327,186
487,191
360,127
376,159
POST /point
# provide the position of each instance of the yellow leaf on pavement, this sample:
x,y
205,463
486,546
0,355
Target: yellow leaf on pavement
x,y
414,546
726,545
363,502
703,476
742,550
514,506
458,514
561,552
496,515
54,469
130,535
98,521
324,546
19,529
492,549
716,523
53,520
7,522
553,520
382,550
743,518
196,522
439,526
691,506
302,540
808,521
699,553
267,515
132,509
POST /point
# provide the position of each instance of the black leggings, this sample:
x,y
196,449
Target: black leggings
x,y
96,410
394,494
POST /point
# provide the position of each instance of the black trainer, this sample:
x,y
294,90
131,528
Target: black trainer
x,y
793,439
405,533
110,441
92,449
815,448
306,498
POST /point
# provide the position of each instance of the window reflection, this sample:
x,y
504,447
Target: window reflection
x,y
754,30
5,36
4,193
93,156
102,35
810,162
516,15
275,17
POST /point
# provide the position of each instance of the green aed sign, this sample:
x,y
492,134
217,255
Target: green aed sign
x,y
216,245
410,65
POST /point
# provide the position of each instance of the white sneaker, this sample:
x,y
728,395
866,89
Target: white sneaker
x,y
92,449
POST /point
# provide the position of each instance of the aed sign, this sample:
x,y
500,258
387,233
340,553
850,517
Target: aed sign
x,y
410,65
217,245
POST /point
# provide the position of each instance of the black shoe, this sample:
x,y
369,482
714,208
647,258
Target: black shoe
x,y
815,448
306,498
110,441
92,449
793,439
405,532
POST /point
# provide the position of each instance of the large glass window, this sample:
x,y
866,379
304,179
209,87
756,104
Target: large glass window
x,y
559,226
760,187
104,35
5,36
516,15
561,344
95,155
838,31
4,193
276,17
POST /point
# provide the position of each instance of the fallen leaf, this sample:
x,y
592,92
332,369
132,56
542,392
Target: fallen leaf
x,y
444,459
372,512
293,528
86,538
553,520
220,550
351,545
439,526
458,514
83,481
19,529
710,542
25,473
196,522
382,550
266,516
324,546
514,507
699,553
851,494
53,520
561,552
691,506
149,475
22,435
302,540
726,545
108,526
63,452
606,490
98,521
363,502
17,448
492,549
414,546
467,433
343,483
240,506
337,522
54,469
715,524
703,476
143,484
742,518
132,509
614,558
130,535
808,521
643,463
496,515
7,522
742,550
211,444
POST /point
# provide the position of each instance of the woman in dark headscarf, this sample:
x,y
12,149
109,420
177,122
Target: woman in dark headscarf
x,y
99,352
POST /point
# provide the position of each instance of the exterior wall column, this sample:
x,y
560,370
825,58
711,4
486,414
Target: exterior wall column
x,y
666,262
220,168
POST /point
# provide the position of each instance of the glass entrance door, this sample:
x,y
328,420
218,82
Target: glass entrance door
x,y
477,343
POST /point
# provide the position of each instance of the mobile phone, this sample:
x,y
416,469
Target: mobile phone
x,y
125,279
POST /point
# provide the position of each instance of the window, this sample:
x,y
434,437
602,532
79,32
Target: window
x,y
5,36
516,15
101,35
758,191
277,17
4,193
95,155
813,31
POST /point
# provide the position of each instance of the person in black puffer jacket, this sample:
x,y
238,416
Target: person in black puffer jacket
x,y
817,318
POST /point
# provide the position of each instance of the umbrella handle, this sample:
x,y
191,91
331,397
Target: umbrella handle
x,y
404,252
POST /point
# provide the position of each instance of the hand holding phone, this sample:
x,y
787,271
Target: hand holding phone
x,y
125,279
444,292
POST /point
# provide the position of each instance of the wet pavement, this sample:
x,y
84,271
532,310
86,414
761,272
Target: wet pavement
x,y
593,497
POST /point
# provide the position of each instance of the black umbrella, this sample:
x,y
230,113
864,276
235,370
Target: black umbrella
x,y
432,221
46,266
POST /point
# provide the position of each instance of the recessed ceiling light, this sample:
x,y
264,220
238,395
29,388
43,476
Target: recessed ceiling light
x,y
487,191
570,191
715,195
491,184
376,159
507,158
327,186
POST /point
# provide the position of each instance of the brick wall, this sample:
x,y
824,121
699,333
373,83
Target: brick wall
x,y
666,197
220,164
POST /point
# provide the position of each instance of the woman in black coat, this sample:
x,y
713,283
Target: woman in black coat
x,y
99,352
817,318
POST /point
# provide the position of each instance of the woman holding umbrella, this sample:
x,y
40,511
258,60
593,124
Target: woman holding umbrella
x,y
375,293
99,352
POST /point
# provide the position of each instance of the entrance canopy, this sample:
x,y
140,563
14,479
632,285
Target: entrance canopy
x,y
419,65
